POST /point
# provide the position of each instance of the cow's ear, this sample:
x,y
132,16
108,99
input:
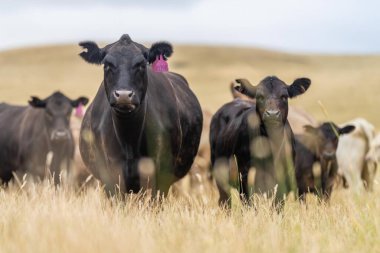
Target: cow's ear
x,y
36,102
310,129
80,100
346,129
298,87
159,48
92,54
246,88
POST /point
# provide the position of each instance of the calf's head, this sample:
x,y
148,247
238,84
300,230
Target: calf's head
x,y
271,96
326,137
57,110
125,69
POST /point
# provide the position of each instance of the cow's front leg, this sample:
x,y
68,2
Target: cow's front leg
x,y
131,176
328,178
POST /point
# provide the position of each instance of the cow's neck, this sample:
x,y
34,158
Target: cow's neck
x,y
63,155
282,154
280,142
129,129
275,134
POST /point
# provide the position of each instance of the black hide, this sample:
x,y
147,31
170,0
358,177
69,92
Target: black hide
x,y
138,113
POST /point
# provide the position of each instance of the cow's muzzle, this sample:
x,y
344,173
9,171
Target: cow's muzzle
x,y
60,135
272,116
328,155
124,100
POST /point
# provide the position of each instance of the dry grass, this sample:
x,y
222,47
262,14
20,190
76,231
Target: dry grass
x,y
42,219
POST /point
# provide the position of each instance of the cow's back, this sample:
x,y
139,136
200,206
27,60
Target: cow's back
x,y
226,124
298,118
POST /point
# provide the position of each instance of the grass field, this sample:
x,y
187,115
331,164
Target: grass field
x,y
348,86
40,218
44,220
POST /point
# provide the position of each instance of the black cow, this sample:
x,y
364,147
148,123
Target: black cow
x,y
258,135
138,113
29,133
318,145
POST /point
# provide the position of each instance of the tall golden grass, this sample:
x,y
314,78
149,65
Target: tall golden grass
x,y
40,218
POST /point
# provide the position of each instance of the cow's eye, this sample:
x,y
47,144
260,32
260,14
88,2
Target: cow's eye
x,y
140,67
284,98
49,115
109,67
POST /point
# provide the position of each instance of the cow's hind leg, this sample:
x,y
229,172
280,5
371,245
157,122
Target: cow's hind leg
x,y
221,173
243,168
368,176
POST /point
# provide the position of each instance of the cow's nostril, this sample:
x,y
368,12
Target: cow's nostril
x,y
123,96
329,153
272,113
59,135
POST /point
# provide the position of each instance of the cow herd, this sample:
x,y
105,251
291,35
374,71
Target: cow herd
x,y
145,129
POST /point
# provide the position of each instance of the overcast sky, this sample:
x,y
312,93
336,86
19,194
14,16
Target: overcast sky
x,y
319,26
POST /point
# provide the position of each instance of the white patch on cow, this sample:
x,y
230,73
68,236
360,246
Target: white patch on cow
x,y
49,159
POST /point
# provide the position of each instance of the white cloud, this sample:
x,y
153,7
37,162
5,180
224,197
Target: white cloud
x,y
293,25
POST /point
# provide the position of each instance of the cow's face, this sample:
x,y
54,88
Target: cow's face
x,y
327,138
57,109
271,96
125,70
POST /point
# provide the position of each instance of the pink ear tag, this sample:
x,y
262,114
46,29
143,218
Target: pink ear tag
x,y
160,65
79,112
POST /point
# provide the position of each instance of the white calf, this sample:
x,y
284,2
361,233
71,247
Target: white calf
x,y
352,152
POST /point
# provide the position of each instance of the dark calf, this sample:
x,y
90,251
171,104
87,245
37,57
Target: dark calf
x,y
258,135
318,145
29,133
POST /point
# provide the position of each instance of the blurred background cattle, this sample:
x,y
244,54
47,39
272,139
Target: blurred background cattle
x,y
37,139
318,145
357,156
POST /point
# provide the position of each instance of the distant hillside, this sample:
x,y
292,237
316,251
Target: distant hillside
x,y
347,86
